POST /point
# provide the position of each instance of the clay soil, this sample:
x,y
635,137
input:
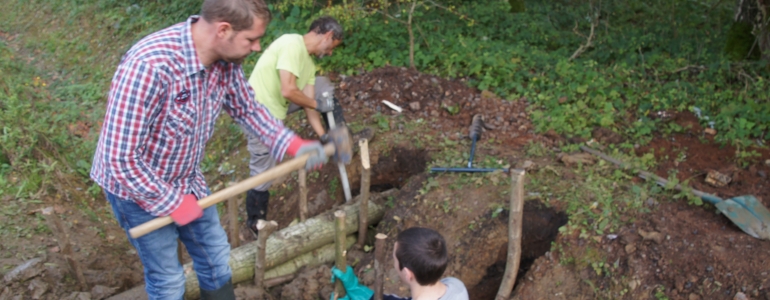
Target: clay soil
x,y
701,255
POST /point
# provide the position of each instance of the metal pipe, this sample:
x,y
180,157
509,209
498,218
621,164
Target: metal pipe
x,y
467,170
340,165
473,151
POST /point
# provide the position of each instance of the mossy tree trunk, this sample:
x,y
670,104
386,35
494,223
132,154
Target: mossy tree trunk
x,y
517,6
748,37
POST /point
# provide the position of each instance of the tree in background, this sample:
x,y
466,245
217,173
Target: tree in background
x,y
748,37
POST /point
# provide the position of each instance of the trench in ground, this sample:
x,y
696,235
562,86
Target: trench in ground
x,y
539,227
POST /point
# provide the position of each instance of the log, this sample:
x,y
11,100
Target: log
x,y
265,230
312,259
302,195
273,277
287,244
379,264
515,218
363,144
340,255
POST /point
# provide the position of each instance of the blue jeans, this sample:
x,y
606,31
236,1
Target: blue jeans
x,y
204,239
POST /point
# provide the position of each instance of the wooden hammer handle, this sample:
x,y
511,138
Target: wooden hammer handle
x,y
243,186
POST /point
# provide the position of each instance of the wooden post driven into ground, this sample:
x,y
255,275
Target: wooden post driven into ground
x,y
265,228
302,194
232,214
515,219
339,250
379,264
63,237
365,181
179,251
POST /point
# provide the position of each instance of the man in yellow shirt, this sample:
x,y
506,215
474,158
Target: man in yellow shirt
x,y
284,81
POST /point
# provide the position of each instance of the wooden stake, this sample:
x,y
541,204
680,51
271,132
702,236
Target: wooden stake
x,y
302,195
379,264
265,228
339,253
514,234
232,214
363,144
63,237
179,251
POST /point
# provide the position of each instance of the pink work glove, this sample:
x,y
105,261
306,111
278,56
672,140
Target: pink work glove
x,y
188,211
298,147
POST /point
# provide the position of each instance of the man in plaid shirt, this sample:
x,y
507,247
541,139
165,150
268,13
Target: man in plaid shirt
x,y
163,104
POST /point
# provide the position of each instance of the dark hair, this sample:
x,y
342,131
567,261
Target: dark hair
x,y
239,13
323,25
422,251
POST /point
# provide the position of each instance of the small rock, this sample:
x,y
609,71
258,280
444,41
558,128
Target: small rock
x,y
630,248
693,296
528,165
27,270
78,296
740,296
414,105
651,202
679,283
633,284
710,131
762,174
692,278
434,113
709,269
38,288
377,87
578,158
717,179
767,163
657,237
101,292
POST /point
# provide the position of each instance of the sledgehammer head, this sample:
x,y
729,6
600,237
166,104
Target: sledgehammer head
x,y
343,147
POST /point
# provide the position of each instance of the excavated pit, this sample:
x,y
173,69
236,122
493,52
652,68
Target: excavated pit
x,y
393,170
539,228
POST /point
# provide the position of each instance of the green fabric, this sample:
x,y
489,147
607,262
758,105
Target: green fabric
x,y
353,289
289,53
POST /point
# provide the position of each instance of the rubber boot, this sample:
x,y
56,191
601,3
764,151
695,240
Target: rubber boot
x,y
226,292
256,208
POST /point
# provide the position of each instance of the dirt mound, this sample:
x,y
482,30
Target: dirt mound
x,y
447,105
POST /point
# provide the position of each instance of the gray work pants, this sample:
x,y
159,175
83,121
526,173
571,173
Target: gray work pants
x,y
260,159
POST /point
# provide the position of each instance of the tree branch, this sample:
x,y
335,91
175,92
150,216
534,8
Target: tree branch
x,y
589,40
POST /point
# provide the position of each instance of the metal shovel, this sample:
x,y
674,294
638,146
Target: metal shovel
x,y
745,211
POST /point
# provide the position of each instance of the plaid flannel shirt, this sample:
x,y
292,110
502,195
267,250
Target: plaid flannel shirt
x,y
161,110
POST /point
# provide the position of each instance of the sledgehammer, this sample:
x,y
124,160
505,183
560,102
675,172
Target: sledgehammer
x,y
339,147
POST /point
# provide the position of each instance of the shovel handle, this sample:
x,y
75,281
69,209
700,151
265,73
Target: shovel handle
x,y
647,175
243,186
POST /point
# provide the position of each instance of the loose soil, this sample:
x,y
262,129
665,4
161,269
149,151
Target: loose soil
x,y
701,255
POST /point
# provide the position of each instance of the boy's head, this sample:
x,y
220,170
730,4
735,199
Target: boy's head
x,y
420,255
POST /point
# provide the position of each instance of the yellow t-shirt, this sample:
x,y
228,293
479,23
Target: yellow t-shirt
x,y
288,53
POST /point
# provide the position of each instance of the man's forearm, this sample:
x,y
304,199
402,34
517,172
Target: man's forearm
x,y
299,98
314,118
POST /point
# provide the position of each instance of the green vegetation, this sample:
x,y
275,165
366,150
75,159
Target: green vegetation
x,y
643,57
